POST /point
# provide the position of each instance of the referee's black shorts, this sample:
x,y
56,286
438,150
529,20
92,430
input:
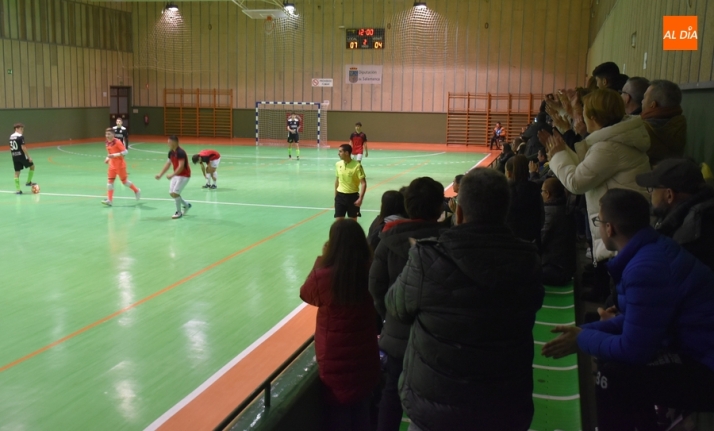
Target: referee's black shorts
x,y
345,204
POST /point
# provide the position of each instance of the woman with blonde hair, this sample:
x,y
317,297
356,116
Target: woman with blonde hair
x,y
612,155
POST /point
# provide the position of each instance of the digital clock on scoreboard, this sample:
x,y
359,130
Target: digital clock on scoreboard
x,y
365,38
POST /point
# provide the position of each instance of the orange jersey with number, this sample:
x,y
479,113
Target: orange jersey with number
x,y
115,146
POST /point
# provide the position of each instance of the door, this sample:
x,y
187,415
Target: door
x,y
119,105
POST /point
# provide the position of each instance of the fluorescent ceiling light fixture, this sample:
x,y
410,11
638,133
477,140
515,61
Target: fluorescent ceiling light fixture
x,y
171,7
420,4
290,7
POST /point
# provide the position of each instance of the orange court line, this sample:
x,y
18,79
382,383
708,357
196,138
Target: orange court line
x,y
210,407
155,294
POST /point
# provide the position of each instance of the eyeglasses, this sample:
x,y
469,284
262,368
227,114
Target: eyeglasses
x,y
652,189
597,221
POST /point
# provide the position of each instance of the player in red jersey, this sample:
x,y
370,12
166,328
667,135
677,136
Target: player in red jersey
x,y
211,158
117,166
179,177
358,140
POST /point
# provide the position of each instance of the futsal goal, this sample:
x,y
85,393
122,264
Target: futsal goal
x,y
271,123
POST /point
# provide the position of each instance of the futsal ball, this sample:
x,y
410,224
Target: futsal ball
x,y
35,189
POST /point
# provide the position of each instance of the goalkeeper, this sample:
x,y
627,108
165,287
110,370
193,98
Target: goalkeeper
x,y
293,135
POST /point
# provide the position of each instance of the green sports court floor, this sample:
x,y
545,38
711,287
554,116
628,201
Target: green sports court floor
x,y
78,352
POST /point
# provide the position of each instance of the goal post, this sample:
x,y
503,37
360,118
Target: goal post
x,y
271,122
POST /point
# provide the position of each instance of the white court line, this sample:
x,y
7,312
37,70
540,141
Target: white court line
x,y
545,367
557,398
218,374
553,324
553,307
558,293
192,201
540,343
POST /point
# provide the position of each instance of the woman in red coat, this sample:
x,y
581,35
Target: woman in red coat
x,y
346,333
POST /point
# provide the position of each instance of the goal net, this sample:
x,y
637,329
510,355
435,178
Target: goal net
x,y
271,123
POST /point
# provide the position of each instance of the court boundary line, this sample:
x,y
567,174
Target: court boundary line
x,y
168,414
165,417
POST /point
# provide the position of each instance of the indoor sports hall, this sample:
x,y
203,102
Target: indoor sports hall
x,y
122,316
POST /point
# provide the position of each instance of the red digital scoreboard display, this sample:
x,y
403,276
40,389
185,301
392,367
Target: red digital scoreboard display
x,y
365,38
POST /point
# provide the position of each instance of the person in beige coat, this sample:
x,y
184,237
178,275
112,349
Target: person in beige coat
x,y
612,156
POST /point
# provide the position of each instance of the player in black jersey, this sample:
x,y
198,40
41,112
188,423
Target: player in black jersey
x,y
121,133
293,135
20,158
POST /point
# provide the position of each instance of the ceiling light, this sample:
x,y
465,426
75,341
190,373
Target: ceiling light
x,y
171,7
420,4
290,7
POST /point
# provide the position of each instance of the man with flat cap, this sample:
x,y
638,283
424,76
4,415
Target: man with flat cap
x,y
684,206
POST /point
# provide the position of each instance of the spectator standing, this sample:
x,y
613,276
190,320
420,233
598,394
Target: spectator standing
x,y
525,214
612,155
633,93
558,242
392,209
423,199
506,154
345,342
470,298
667,127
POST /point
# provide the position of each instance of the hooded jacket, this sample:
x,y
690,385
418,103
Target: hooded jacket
x,y
666,297
608,158
389,259
691,225
471,298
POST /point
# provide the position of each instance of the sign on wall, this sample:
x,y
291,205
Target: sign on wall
x,y
363,74
322,82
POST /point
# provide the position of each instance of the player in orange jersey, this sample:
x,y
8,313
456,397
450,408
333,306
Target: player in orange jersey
x,y
117,167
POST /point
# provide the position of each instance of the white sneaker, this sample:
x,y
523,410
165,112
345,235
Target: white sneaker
x,y
186,208
138,194
107,202
177,214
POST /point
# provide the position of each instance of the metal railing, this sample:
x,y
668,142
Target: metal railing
x,y
263,387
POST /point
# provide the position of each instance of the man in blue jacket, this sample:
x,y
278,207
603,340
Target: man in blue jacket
x,y
660,350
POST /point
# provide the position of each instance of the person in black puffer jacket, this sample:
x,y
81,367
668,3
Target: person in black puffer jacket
x,y
558,239
471,298
525,214
423,201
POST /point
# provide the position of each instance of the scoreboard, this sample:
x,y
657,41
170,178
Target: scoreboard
x,y
365,38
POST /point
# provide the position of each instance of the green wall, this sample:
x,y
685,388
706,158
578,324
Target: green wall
x,y
44,125
379,126
156,121
700,124
57,124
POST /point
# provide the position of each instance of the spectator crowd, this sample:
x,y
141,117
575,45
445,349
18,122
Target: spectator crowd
x,y
431,313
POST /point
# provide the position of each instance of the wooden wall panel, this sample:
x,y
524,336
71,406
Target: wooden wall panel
x,y
47,45
510,56
613,41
